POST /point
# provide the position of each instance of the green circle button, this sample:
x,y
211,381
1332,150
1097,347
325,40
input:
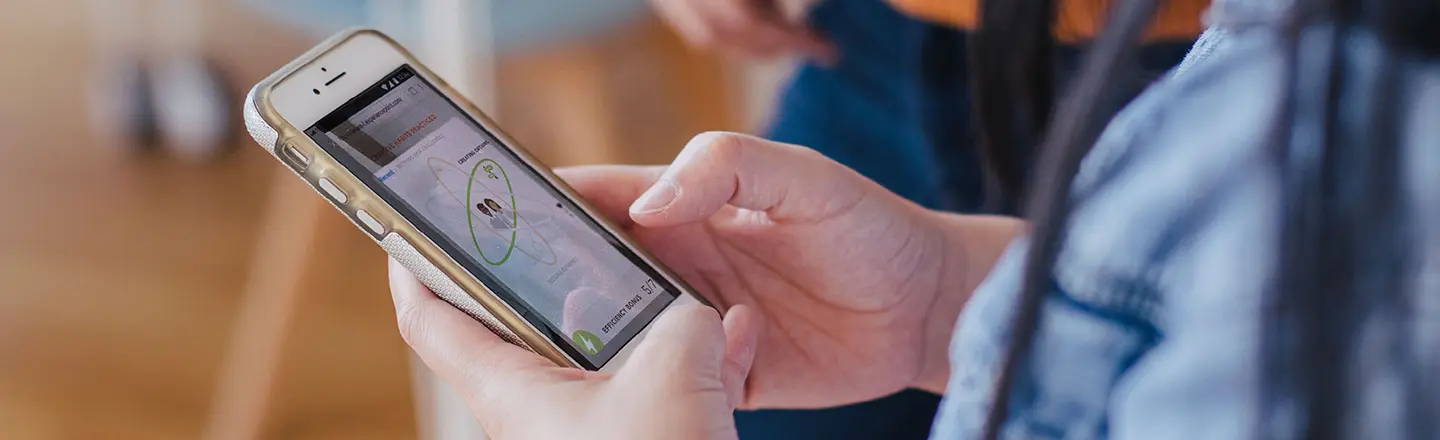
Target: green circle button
x,y
587,342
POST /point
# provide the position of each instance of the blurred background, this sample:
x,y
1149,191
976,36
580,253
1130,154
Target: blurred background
x,y
155,290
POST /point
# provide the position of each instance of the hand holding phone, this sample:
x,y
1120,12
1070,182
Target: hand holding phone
x,y
447,194
859,289
683,382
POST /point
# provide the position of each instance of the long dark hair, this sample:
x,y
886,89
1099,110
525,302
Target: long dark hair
x,y
1345,263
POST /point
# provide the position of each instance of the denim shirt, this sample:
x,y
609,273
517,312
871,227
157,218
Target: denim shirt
x,y
1153,329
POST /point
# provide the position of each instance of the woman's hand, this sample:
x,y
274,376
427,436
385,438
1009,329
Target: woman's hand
x,y
748,28
858,288
683,381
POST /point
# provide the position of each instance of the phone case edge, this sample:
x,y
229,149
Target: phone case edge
x,y
396,243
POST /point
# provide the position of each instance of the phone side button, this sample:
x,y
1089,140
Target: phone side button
x,y
370,222
333,191
294,157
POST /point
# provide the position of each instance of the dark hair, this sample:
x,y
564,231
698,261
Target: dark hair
x,y
1012,64
1343,248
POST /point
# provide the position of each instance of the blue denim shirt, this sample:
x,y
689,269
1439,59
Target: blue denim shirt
x,y
1153,331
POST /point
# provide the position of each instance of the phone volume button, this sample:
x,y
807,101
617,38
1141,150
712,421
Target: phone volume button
x,y
331,190
370,222
294,157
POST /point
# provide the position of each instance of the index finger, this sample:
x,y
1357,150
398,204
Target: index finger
x,y
611,189
788,182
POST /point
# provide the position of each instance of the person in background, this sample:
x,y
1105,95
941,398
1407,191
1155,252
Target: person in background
x,y
886,91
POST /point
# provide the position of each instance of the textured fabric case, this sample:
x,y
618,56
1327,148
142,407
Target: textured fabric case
x,y
261,131
444,287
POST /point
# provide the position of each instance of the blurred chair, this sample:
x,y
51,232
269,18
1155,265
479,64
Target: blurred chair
x,y
461,40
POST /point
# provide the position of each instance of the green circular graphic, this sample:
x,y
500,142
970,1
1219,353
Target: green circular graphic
x,y
587,342
516,218
514,213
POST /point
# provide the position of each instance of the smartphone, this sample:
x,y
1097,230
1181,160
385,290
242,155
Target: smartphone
x,y
486,226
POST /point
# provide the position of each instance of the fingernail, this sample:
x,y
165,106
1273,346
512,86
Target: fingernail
x,y
656,199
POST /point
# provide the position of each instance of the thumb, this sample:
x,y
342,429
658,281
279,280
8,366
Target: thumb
x,y
691,348
788,182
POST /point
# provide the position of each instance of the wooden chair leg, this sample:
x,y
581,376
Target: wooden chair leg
x,y
248,372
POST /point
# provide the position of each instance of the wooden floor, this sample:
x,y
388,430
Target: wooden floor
x,y
122,273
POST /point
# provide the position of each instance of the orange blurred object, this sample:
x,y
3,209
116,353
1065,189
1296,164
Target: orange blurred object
x,y
1078,20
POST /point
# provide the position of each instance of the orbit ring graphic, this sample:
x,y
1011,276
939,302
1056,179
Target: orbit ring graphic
x,y
470,217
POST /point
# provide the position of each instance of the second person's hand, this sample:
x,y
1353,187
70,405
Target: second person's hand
x,y
748,28
859,289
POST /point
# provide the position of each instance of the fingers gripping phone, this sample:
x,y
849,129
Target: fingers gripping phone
x,y
487,227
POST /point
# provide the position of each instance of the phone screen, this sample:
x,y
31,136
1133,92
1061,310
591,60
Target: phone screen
x,y
451,178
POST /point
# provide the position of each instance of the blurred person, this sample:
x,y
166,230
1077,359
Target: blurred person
x,y
886,88
887,91
1250,250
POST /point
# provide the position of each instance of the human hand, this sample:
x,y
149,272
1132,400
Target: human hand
x,y
683,380
749,28
858,288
